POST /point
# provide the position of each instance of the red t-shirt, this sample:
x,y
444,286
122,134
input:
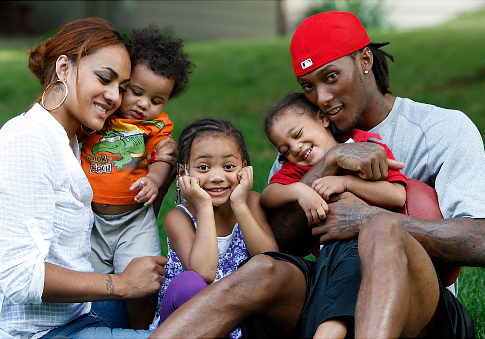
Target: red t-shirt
x,y
290,173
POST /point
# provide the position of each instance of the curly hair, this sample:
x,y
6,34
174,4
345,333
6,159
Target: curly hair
x,y
163,54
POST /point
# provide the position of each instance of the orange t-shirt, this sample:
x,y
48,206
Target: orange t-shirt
x,y
115,157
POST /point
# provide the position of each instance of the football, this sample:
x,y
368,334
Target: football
x,y
422,203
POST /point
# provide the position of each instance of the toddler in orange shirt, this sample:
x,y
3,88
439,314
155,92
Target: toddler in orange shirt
x,y
116,160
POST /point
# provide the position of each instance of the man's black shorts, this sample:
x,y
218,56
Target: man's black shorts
x,y
450,321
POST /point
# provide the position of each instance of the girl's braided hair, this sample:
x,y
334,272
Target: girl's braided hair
x,y
205,127
209,127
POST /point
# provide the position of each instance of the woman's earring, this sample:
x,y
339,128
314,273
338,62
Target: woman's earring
x,y
57,88
366,71
89,131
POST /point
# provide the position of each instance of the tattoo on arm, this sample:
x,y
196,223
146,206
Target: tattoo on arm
x,y
109,285
289,223
319,170
457,240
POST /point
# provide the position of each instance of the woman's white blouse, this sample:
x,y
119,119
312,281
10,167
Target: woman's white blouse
x,y
45,216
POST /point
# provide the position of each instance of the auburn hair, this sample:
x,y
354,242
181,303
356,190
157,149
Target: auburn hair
x,y
76,39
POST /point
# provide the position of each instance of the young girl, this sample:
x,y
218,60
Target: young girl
x,y
222,223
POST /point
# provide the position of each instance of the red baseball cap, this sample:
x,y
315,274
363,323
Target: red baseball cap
x,y
325,37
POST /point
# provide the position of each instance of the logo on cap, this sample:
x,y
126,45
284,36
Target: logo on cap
x,y
307,63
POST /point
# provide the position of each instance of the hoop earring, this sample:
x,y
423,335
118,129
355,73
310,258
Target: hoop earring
x,y
57,88
91,131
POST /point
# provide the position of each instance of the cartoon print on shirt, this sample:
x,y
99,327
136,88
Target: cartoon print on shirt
x,y
126,144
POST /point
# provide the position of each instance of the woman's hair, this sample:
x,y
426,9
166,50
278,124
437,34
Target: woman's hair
x,y
212,127
292,99
163,54
379,67
76,39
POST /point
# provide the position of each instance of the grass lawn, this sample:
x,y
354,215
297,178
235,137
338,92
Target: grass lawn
x,y
240,79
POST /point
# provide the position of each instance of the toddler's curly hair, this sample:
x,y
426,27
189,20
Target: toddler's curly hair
x,y
163,54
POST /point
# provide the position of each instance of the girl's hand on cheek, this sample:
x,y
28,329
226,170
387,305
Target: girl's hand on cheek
x,y
240,193
192,192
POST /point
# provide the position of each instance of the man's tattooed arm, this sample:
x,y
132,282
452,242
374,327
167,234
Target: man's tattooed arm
x,y
289,222
458,241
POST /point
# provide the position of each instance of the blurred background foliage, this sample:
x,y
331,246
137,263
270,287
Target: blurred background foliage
x,y
372,14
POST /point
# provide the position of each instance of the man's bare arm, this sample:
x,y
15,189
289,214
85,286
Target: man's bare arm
x,y
289,223
457,241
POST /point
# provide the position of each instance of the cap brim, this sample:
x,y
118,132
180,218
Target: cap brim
x,y
379,44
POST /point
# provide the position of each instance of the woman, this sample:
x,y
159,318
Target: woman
x,y
46,218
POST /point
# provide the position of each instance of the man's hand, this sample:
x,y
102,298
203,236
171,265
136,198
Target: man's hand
x,y
367,158
346,215
143,276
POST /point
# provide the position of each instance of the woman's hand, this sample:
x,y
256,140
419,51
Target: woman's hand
x,y
143,276
240,193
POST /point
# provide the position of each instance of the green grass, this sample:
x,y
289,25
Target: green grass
x,y
240,79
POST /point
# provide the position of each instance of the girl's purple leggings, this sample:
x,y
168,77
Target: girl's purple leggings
x,y
183,287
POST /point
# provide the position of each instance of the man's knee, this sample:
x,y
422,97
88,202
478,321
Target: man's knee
x,y
265,276
264,269
382,233
382,225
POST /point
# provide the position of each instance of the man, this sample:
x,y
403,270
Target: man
x,y
342,72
